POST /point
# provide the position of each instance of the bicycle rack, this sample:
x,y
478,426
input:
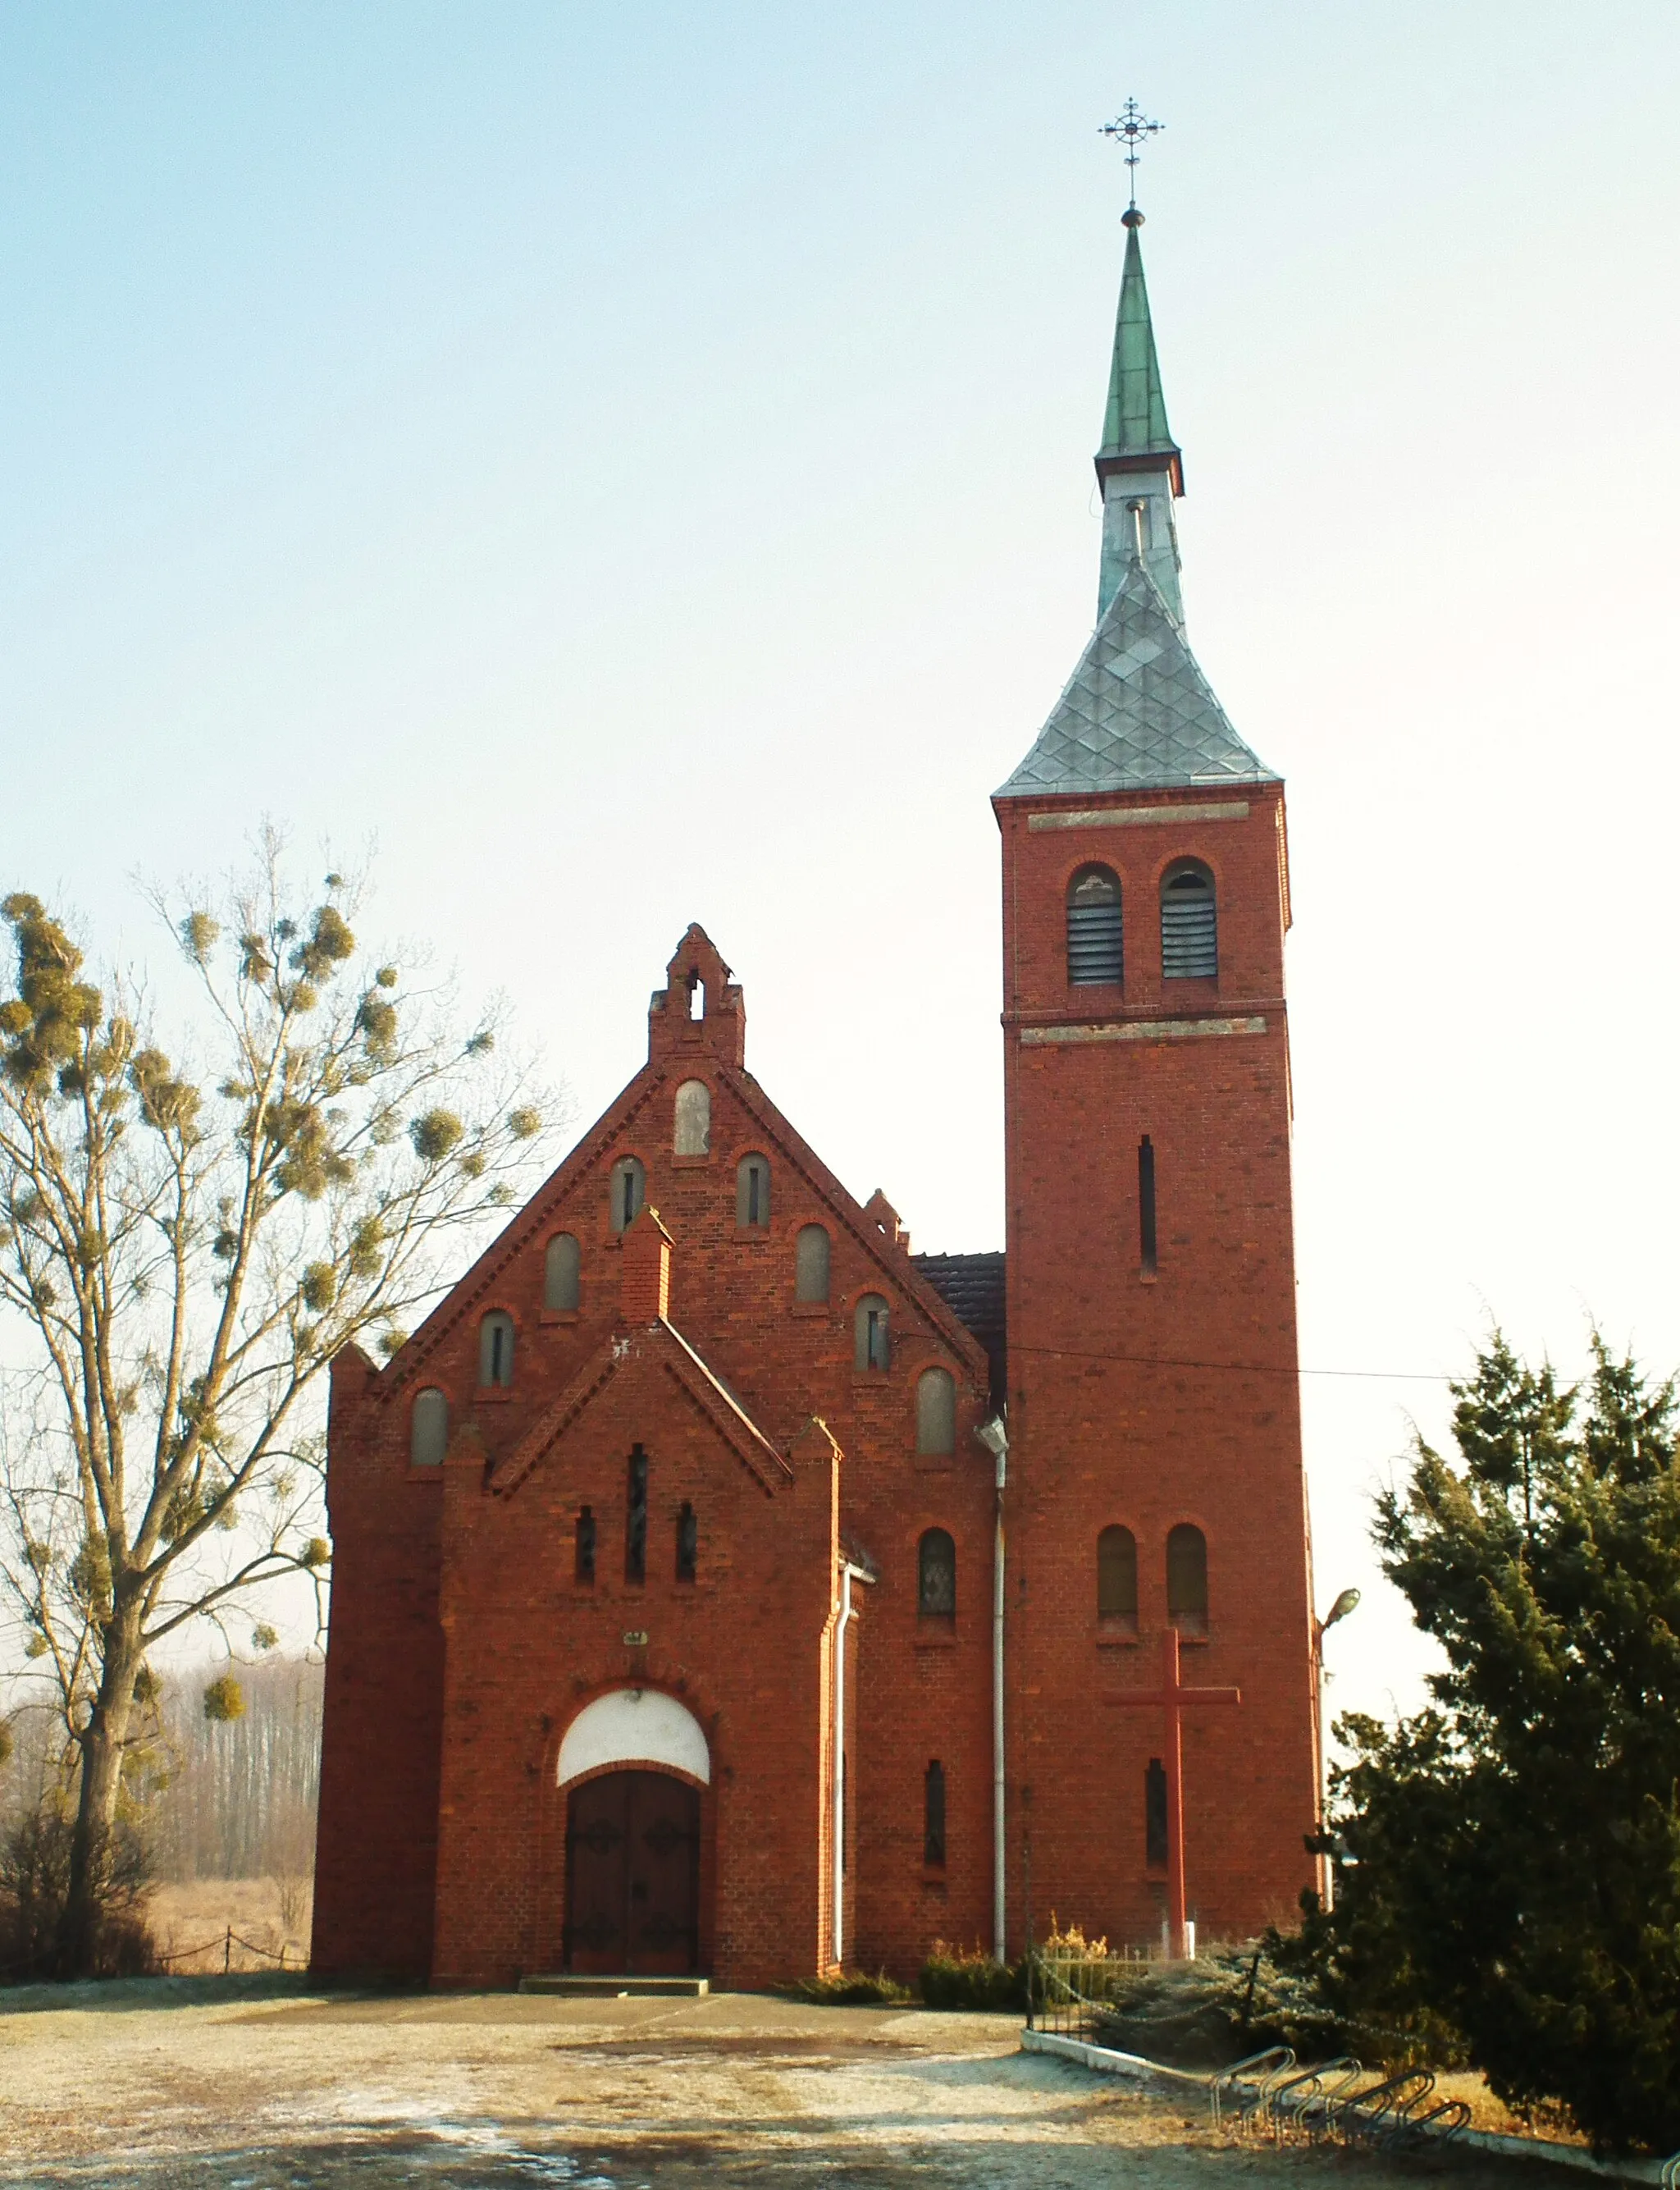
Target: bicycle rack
x,y
1440,2125
1246,2084
1318,2116
1370,2114
1305,2098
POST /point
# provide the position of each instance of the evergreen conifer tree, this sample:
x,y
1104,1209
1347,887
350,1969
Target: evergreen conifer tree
x,y
1515,1848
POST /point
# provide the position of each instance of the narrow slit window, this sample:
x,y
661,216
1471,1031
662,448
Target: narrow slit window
x,y
1190,926
1155,1815
636,1516
495,1349
811,1263
560,1265
1146,1207
936,1575
1095,932
935,1412
1187,1579
628,1191
696,997
873,1348
429,1429
933,1815
687,1542
1117,1576
585,1567
752,1194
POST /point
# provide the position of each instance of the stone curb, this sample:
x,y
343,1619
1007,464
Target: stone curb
x,y
1105,2062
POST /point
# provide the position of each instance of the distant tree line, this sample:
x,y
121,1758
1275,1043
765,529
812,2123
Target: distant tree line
x,y
227,1789
240,1802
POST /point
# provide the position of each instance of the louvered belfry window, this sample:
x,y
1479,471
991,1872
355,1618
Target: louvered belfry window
x,y
1095,942
1190,933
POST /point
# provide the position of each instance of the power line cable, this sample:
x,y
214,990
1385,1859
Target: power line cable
x,y
1239,1368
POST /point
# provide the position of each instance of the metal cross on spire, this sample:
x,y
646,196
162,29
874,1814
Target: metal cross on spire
x,y
1133,128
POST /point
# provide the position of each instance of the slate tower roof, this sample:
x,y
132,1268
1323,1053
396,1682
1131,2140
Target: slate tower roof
x,y
1137,714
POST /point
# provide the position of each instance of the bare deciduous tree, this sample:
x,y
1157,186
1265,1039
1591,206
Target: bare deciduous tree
x,y
183,1248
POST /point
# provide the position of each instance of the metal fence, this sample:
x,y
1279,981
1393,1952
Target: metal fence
x,y
1066,1991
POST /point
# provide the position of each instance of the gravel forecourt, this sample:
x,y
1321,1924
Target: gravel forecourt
x,y
209,2085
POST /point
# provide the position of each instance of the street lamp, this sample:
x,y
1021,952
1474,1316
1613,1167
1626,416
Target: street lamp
x,y
994,1434
1346,1602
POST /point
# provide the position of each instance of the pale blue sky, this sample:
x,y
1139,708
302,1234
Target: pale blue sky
x,y
636,462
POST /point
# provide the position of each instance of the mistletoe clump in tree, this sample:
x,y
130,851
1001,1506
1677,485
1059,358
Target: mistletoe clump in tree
x,y
1516,1872
182,1249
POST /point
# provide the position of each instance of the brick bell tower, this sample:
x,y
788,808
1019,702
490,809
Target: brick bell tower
x,y
1155,1478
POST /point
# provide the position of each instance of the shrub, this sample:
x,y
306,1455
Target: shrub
x,y
35,1885
1209,2012
853,1988
969,1977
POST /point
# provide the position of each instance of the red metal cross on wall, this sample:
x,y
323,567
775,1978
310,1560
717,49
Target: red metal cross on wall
x,y
1170,1699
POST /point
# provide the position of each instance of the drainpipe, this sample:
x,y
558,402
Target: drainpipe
x,y
993,1436
848,1574
840,1764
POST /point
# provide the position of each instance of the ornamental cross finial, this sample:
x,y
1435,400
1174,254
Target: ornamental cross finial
x,y
1133,128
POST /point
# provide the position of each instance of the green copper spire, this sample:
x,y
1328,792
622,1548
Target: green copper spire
x,y
1135,422
1139,466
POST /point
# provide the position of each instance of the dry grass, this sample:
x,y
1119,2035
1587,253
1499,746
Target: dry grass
x,y
1493,2115
267,1914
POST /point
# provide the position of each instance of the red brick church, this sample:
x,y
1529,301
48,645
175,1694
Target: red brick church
x,y
720,1588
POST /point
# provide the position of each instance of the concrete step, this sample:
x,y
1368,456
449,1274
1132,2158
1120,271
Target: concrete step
x,y
619,1988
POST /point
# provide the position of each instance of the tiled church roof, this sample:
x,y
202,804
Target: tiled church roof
x,y
1137,713
972,1288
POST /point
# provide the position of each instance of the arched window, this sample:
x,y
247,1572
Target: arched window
x,y
1190,927
811,1263
1096,944
585,1568
1117,1576
752,1194
429,1429
1187,1579
935,1412
933,1815
936,1575
628,1189
495,1349
687,1542
693,1134
560,1274
874,1345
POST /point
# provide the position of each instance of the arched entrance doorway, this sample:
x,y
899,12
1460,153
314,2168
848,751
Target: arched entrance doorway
x,y
632,1888
633,1876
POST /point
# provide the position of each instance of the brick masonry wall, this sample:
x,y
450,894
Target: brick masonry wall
x,y
744,1646
1153,1402
1144,1403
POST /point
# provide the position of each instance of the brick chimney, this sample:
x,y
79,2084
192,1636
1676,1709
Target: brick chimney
x,y
645,1272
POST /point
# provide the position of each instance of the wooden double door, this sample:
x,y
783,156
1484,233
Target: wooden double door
x,y
633,1876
